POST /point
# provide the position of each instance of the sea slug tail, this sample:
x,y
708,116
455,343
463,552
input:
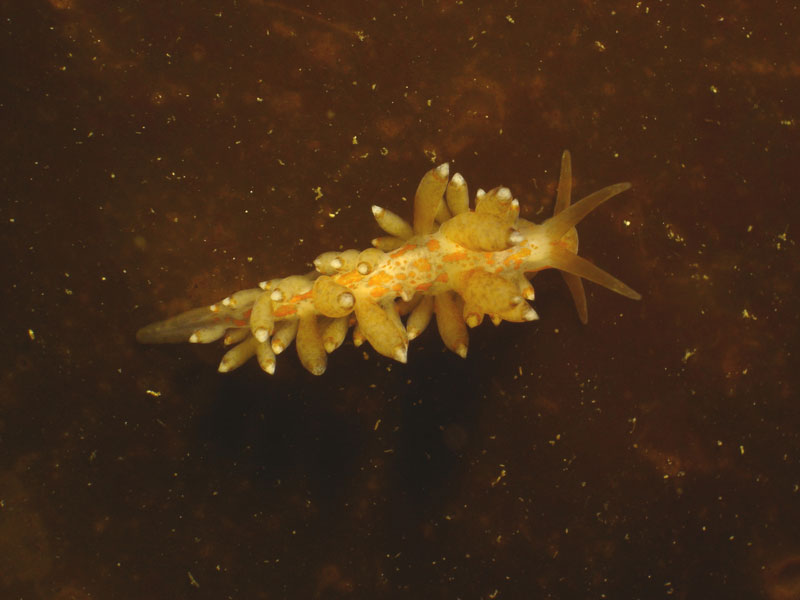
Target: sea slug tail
x,y
202,325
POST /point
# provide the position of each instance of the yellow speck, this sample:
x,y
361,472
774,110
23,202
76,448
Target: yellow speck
x,y
713,89
499,477
626,222
689,353
317,192
153,393
377,424
671,234
31,334
741,449
601,47
510,19
746,314
113,175
355,140
192,581
384,151
782,237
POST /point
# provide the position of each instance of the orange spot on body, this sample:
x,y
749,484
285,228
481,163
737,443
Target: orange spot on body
x,y
433,245
381,278
511,263
378,291
514,261
285,310
422,264
518,256
454,256
299,297
402,250
348,279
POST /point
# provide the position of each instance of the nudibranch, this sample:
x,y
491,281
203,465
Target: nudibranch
x,y
452,262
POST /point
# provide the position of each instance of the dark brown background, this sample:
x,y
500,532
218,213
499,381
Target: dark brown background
x,y
160,155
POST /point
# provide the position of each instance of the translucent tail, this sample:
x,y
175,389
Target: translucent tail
x,y
205,324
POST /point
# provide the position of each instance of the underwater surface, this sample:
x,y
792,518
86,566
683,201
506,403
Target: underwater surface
x,y
159,156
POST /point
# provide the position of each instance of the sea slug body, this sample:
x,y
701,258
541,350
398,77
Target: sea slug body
x,y
451,263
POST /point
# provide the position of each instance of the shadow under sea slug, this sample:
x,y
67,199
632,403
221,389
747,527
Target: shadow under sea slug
x,y
452,262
